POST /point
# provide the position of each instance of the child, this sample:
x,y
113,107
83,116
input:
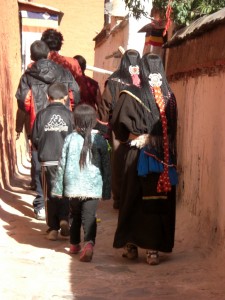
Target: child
x,y
51,127
84,177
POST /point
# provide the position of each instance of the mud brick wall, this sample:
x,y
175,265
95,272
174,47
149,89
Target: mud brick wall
x,y
10,62
196,70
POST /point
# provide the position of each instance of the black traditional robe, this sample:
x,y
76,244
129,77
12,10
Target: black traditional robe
x,y
148,222
109,99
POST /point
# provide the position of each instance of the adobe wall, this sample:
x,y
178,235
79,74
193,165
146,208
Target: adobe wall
x,y
104,54
127,37
81,22
196,71
9,73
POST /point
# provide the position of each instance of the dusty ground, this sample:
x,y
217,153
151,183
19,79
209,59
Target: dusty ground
x,y
34,268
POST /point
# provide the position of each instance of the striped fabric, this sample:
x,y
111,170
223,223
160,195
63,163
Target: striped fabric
x,y
154,38
38,21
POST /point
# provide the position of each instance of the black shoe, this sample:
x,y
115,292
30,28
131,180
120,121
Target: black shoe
x,y
130,251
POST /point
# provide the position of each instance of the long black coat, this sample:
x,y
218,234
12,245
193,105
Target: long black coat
x,y
149,224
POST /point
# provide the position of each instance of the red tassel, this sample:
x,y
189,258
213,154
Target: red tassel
x,y
168,20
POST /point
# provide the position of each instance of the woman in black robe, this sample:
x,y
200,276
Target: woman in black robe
x,y
126,75
147,209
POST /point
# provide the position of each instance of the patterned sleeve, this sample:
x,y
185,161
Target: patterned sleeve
x,y
58,185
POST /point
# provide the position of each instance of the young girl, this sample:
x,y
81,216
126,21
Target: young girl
x,y
83,176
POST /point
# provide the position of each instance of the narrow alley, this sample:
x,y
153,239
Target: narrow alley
x,y
34,268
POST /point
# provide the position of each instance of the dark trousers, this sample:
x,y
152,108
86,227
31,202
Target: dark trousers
x,y
57,209
38,202
83,212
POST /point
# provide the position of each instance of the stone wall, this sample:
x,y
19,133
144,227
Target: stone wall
x,y
124,35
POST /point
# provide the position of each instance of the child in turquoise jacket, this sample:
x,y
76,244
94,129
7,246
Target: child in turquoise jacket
x,y
83,176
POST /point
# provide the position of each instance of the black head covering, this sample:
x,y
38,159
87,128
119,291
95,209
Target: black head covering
x,y
122,77
147,97
152,63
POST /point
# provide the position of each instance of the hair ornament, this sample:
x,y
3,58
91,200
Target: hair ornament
x,y
134,70
155,79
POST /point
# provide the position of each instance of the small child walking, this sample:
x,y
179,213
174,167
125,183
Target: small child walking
x,y
83,176
50,129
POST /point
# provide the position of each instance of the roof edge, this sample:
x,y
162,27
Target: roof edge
x,y
43,7
196,28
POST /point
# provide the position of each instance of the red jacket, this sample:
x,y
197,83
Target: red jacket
x,y
92,95
32,90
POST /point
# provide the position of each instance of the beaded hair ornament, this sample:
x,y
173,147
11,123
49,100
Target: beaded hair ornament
x,y
155,81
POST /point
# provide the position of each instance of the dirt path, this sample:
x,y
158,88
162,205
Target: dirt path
x,y
34,268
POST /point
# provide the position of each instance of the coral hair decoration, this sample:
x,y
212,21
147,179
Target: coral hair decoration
x,y
164,181
134,72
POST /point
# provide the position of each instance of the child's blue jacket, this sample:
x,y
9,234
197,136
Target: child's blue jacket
x,y
94,180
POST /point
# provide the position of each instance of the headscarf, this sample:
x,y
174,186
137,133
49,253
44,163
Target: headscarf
x,y
157,94
152,64
127,73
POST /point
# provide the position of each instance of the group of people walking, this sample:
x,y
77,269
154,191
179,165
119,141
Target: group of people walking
x,y
72,126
